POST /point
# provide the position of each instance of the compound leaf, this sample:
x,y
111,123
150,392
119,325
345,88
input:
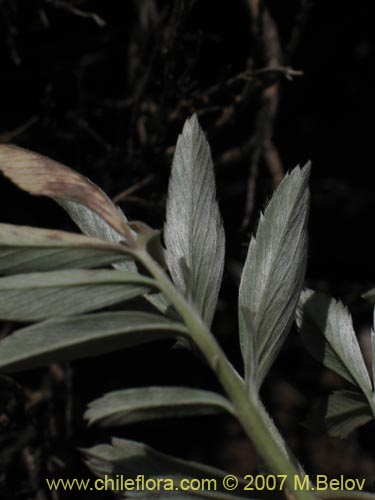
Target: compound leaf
x,y
148,403
37,296
91,224
24,249
82,336
327,331
273,275
194,235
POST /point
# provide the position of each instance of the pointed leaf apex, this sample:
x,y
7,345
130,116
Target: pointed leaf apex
x,y
193,231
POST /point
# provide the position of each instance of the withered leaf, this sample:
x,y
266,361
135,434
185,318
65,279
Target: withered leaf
x,y
39,175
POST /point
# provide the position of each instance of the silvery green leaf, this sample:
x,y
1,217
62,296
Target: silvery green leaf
x,y
82,336
148,403
24,249
327,332
37,296
346,411
93,225
129,459
193,232
273,275
159,301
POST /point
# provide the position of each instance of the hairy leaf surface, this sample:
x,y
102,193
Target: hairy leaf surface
x,y
148,403
24,249
273,275
193,232
92,225
36,296
327,332
81,336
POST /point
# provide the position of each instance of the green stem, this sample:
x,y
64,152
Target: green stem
x,y
250,413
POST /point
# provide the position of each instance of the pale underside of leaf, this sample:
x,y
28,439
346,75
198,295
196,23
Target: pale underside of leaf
x,y
327,331
345,412
273,275
194,235
37,296
40,175
82,336
130,458
159,301
24,249
92,225
148,403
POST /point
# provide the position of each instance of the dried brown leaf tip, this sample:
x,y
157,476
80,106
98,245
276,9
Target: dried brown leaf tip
x,y
42,176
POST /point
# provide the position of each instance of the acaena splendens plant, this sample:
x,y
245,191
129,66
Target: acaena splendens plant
x,y
61,283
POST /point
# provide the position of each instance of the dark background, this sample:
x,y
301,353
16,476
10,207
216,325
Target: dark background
x,y
107,94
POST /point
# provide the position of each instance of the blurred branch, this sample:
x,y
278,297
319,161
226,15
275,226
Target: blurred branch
x,y
133,189
299,28
60,4
33,473
261,145
12,134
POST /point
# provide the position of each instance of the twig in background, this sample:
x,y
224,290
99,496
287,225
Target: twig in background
x,y
133,189
270,50
60,4
299,28
12,134
33,473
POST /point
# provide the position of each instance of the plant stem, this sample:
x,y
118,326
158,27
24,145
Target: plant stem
x,y
251,414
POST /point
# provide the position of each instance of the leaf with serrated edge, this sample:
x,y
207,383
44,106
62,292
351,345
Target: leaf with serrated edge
x,y
130,459
92,225
148,403
82,336
42,176
273,275
193,232
345,412
36,296
327,331
24,249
